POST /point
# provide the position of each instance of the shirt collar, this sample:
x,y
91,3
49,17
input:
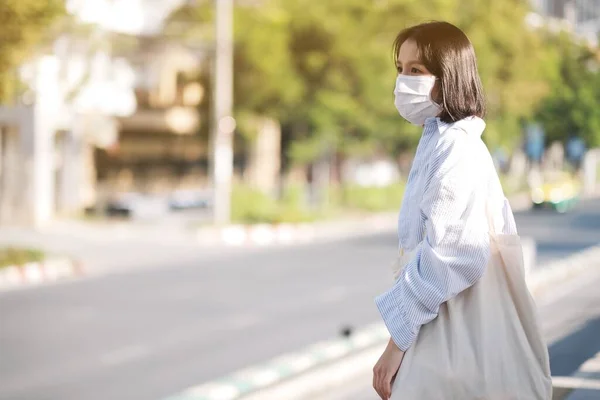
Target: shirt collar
x,y
471,125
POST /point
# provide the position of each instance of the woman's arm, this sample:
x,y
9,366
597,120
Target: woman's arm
x,y
455,251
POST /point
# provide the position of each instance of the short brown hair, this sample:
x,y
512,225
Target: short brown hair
x,y
449,55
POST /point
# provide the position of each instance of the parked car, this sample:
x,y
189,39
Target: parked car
x,y
136,205
190,199
141,205
558,191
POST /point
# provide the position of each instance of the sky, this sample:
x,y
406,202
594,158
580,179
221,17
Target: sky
x,y
137,17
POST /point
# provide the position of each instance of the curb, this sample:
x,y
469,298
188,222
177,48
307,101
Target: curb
x,y
559,271
267,381
586,378
35,273
262,235
249,381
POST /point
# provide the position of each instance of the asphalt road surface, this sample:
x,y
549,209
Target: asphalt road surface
x,y
149,332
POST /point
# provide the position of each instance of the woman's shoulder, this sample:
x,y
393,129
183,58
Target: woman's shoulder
x,y
458,147
473,127
459,136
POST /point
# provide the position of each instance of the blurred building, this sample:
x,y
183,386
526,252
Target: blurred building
x,y
582,16
159,146
132,17
110,108
379,171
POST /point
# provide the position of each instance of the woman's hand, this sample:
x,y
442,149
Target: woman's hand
x,y
386,369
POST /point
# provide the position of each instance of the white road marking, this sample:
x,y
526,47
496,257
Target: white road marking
x,y
568,287
336,350
573,382
301,363
258,376
591,365
214,392
125,354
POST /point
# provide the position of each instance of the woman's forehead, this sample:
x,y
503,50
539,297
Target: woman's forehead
x,y
409,52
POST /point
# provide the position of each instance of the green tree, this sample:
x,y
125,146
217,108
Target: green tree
x,y
324,68
22,25
573,106
514,63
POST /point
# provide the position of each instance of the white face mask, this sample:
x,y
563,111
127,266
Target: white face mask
x,y
413,98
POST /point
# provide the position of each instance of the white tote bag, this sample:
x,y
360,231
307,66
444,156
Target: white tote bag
x,y
485,343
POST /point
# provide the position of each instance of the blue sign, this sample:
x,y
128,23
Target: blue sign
x,y
534,141
575,149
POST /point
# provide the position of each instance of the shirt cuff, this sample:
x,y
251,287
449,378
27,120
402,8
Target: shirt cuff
x,y
394,318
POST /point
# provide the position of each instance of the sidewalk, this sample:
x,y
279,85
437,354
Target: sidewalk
x,y
179,231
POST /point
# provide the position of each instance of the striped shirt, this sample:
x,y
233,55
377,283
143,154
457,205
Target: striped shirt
x,y
443,223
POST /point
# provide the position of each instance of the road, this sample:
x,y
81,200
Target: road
x,y
148,332
558,235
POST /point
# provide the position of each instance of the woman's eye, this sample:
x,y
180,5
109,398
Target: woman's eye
x,y
415,70
399,69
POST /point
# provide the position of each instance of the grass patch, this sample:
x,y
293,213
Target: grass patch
x,y
250,206
17,256
372,199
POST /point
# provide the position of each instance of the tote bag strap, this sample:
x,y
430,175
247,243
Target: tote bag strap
x,y
493,203
490,217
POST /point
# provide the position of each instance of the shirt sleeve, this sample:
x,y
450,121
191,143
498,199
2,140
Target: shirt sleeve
x,y
455,251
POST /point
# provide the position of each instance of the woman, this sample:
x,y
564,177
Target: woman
x,y
444,234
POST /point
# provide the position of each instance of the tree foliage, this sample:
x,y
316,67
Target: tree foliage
x,y
573,106
324,68
22,25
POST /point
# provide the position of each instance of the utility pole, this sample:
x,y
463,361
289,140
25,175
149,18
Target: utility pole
x,y
223,122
